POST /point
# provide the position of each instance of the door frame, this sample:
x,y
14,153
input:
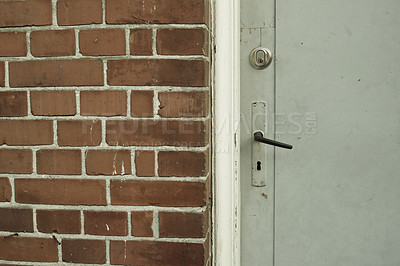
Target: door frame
x,y
226,133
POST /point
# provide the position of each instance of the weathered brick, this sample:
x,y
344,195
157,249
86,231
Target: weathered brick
x,y
157,72
156,133
84,251
155,11
181,224
182,41
142,103
145,162
79,133
53,43
103,103
108,162
79,12
5,189
182,163
102,42
158,193
53,102
60,191
45,73
183,104
106,223
26,132
28,249
142,222
13,103
2,74
12,43
16,220
25,13
141,42
156,253
15,161
59,221
59,162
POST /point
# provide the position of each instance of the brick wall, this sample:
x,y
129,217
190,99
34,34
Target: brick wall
x,y
104,132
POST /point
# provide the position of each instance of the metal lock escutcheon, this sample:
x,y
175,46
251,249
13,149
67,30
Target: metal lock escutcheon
x,y
260,58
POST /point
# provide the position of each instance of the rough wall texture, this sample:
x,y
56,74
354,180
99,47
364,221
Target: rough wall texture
x,y
104,132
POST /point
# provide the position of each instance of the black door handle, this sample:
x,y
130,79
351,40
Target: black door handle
x,y
258,136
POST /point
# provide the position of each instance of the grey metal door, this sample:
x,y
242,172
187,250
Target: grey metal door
x,y
333,92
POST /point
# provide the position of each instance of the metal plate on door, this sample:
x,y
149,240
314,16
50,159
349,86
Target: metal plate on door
x,y
260,58
258,150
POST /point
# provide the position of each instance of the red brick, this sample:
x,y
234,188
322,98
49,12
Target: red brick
x,y
56,73
182,163
25,13
142,103
182,42
84,251
13,103
78,12
108,162
141,42
15,161
12,43
26,132
156,133
79,133
156,253
180,224
155,11
2,74
53,102
142,222
59,221
157,72
28,249
103,103
16,220
183,104
145,161
17,264
106,223
59,162
102,42
5,190
53,43
60,191
158,193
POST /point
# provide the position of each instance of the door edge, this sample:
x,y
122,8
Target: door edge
x,y
226,129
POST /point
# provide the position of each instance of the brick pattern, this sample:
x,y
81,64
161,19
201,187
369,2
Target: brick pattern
x,y
142,253
13,103
5,189
173,224
52,103
13,44
59,221
104,132
142,222
53,43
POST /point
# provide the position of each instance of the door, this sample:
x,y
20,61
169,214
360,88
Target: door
x,y
333,92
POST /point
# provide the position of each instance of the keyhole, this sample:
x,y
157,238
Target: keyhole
x,y
259,166
260,60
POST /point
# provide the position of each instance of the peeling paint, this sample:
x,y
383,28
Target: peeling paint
x,y
122,168
114,166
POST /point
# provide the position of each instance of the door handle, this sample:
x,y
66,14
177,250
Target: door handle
x,y
258,136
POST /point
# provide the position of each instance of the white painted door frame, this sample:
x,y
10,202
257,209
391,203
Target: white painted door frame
x,y
226,125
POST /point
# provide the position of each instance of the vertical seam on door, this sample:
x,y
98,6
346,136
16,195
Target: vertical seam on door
x,y
274,117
